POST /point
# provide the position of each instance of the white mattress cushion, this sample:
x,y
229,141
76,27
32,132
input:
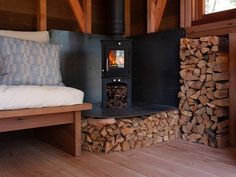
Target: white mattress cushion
x,y
25,96
37,36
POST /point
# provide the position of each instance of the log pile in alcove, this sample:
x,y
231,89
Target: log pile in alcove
x,y
110,135
117,95
204,95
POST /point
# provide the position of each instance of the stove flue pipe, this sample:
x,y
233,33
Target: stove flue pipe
x,y
117,26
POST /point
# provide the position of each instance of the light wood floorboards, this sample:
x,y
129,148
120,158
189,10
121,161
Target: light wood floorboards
x,y
32,158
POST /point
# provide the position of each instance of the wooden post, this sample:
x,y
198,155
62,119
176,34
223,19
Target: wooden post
x,y
79,14
77,129
42,15
185,13
232,88
87,8
155,10
127,18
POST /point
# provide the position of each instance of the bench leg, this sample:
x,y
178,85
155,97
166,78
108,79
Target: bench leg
x,y
65,137
77,129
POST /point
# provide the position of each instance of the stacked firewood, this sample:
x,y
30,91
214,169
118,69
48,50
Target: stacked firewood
x,y
117,96
204,95
123,134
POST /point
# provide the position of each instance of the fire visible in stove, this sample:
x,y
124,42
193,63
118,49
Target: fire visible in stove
x,y
116,59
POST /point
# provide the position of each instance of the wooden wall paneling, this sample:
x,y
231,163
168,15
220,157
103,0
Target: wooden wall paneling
x,y
87,8
155,10
138,17
59,9
232,88
171,16
100,16
17,21
24,7
62,24
42,15
127,18
79,14
169,23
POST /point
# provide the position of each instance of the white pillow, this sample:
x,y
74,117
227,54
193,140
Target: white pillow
x,y
37,36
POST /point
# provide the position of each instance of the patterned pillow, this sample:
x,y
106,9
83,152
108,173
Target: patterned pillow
x,y
29,63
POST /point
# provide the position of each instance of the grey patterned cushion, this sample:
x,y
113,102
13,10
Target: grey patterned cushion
x,y
29,63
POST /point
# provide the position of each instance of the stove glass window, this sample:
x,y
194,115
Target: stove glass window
x,y
116,59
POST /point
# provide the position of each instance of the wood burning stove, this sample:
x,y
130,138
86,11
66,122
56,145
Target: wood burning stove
x,y
116,62
116,73
116,56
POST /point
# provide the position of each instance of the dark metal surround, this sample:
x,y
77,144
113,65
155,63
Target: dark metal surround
x,y
137,109
81,61
155,70
155,67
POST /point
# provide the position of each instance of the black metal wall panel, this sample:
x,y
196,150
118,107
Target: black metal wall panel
x,y
81,61
155,66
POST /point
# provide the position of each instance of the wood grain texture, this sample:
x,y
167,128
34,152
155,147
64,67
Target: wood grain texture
x,y
127,18
213,17
42,111
232,90
155,10
214,28
65,137
29,157
87,9
77,130
186,13
79,14
27,122
42,15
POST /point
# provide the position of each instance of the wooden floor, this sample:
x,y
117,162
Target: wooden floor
x,y
32,158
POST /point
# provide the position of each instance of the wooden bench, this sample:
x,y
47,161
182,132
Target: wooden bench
x,y
59,126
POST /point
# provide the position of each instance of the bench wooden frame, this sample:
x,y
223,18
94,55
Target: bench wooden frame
x,y
59,126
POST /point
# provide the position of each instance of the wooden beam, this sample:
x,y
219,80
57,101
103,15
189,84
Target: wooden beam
x,y
155,10
185,13
87,8
41,111
214,28
197,9
127,18
42,15
182,13
79,14
232,90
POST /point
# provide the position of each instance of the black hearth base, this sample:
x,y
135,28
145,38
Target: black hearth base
x,y
137,109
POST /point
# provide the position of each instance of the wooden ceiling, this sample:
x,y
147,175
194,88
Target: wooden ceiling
x,y
90,16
